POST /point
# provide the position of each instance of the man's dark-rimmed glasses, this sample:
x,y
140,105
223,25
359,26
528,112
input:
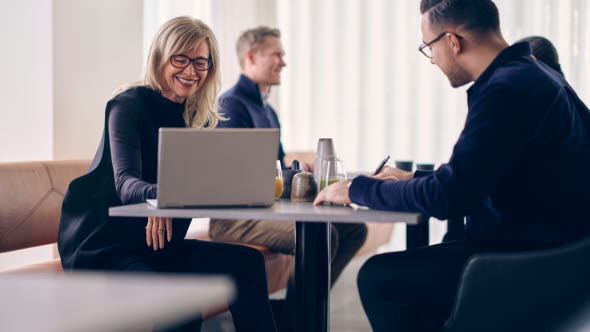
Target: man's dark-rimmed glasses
x,y
425,49
182,61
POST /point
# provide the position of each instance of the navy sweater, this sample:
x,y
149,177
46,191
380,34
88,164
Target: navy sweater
x,y
520,169
242,104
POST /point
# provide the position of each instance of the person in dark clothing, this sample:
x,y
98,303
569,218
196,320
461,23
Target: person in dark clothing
x,y
245,105
179,89
544,51
505,174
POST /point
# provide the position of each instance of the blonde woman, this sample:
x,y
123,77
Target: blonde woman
x,y
179,89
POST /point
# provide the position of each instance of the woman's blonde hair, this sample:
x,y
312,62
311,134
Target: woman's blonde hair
x,y
179,35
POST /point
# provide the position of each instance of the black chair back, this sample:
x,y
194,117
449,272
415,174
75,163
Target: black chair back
x,y
531,291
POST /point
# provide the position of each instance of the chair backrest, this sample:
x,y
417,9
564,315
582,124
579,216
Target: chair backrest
x,y
31,194
580,322
529,291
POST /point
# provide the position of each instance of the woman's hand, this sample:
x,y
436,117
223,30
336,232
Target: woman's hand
x,y
156,229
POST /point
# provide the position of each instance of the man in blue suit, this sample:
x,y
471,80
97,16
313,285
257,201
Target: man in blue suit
x,y
260,54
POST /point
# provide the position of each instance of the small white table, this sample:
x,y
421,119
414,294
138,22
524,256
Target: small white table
x,y
312,249
92,302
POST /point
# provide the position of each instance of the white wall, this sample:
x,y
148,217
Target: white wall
x,y
97,47
26,93
26,86
65,59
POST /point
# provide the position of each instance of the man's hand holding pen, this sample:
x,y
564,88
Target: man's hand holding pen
x,y
389,173
393,174
339,192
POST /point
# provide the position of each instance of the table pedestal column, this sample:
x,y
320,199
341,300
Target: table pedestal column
x,y
312,276
418,235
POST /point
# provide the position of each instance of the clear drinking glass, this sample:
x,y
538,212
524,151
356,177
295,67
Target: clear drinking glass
x,y
332,171
278,180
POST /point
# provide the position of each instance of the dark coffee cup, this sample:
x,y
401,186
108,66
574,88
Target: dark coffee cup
x,y
404,165
288,175
425,167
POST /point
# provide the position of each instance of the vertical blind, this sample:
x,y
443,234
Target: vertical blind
x,y
354,72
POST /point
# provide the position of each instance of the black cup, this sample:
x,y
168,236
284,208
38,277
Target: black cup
x,y
287,180
404,165
425,167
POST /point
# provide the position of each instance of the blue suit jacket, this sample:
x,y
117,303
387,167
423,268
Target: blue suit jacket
x,y
244,108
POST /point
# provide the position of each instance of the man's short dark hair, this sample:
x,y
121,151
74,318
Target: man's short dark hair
x,y
471,15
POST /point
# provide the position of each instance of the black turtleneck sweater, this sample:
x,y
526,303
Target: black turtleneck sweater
x,y
124,171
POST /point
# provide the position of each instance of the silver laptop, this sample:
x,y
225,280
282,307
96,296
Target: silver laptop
x,y
216,167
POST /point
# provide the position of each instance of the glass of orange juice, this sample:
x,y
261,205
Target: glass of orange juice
x,y
278,180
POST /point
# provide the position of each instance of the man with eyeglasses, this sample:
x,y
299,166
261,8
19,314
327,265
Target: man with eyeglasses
x,y
260,55
518,172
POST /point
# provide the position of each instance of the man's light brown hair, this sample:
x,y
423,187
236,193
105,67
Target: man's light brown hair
x,y
253,40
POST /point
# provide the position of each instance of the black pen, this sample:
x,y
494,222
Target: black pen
x,y
380,167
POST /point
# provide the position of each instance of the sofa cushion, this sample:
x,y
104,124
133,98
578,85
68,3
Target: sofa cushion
x,y
50,266
32,193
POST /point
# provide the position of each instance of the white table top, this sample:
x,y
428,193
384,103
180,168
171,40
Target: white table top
x,y
280,210
105,302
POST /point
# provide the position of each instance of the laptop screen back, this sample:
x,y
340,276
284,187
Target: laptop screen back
x,y
216,167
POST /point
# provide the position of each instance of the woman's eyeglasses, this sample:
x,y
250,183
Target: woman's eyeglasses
x,y
182,61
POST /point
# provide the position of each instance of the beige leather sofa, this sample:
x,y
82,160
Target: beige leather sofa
x,y
30,205
31,195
